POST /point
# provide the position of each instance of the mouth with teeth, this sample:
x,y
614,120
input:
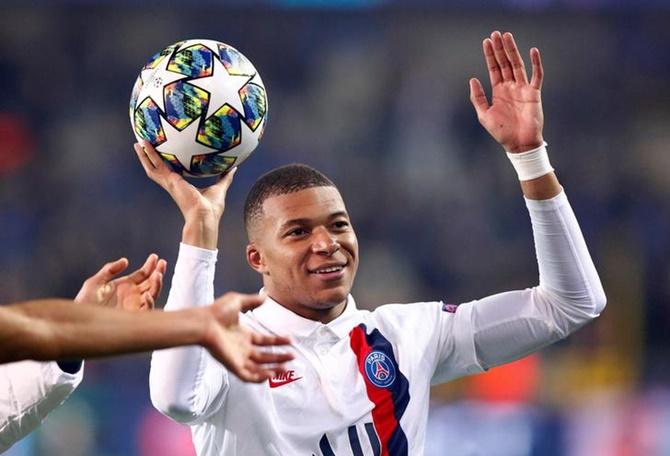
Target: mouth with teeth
x,y
329,272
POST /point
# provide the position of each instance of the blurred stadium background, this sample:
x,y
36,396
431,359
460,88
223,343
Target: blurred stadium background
x,y
375,94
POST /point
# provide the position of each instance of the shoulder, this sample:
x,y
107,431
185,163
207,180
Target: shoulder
x,y
409,316
400,310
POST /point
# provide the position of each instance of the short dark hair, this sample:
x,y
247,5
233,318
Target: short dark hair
x,y
280,181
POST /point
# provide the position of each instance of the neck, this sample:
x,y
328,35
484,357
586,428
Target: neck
x,y
324,315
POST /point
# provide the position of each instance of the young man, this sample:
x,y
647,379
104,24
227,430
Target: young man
x,y
101,322
359,383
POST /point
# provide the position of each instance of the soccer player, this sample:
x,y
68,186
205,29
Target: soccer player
x,y
59,330
359,383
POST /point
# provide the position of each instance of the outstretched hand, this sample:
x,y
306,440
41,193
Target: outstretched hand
x,y
514,118
241,349
192,201
136,291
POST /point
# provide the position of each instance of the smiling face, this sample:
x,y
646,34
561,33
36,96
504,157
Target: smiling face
x,y
306,249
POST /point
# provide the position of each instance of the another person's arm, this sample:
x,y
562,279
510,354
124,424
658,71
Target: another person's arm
x,y
56,329
30,390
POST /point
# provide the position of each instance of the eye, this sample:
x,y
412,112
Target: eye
x,y
341,224
296,232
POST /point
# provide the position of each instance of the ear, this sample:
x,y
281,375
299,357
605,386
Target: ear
x,y
255,259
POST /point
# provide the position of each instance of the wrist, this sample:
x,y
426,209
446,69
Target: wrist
x,y
532,163
198,326
521,148
201,232
207,326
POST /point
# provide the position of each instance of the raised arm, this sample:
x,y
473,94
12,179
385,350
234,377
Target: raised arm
x,y
201,208
514,118
187,383
510,325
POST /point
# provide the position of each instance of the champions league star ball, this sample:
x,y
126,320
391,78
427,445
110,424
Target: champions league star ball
x,y
202,105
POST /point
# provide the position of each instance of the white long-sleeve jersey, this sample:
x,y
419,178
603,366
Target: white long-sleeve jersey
x,y
29,390
359,385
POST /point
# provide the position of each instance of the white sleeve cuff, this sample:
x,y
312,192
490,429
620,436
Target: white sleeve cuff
x,y
550,204
193,279
191,252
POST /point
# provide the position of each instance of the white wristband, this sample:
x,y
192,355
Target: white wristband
x,y
531,164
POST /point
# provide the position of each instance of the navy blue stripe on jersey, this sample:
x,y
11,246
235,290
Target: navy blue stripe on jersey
x,y
354,442
324,446
386,386
374,440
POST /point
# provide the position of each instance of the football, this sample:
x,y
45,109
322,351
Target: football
x,y
202,105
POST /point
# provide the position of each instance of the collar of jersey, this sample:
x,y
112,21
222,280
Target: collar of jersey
x,y
280,320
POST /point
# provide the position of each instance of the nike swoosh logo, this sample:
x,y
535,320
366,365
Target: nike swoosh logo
x,y
278,383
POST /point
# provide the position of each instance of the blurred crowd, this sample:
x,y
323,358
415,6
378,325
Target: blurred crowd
x,y
378,100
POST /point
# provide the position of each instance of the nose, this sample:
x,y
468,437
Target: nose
x,y
324,242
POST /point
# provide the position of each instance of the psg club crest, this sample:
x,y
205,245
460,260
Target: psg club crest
x,y
379,369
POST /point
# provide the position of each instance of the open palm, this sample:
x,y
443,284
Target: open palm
x,y
135,291
238,348
514,118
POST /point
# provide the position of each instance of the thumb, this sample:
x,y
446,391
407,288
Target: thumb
x,y
250,302
225,181
478,97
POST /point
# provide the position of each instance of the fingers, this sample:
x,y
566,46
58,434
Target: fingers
x,y
153,164
155,284
538,70
150,152
267,339
145,271
225,182
263,357
501,57
161,266
148,301
494,69
253,373
478,97
227,179
249,302
146,162
512,53
110,270
156,279
504,61
243,302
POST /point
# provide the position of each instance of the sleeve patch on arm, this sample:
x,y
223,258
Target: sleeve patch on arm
x,y
449,308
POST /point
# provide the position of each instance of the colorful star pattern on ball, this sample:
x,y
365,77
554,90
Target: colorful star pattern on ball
x,y
148,122
175,138
184,103
223,88
211,164
255,106
202,104
194,61
235,63
222,130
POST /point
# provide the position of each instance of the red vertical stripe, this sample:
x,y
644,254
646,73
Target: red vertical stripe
x,y
383,413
